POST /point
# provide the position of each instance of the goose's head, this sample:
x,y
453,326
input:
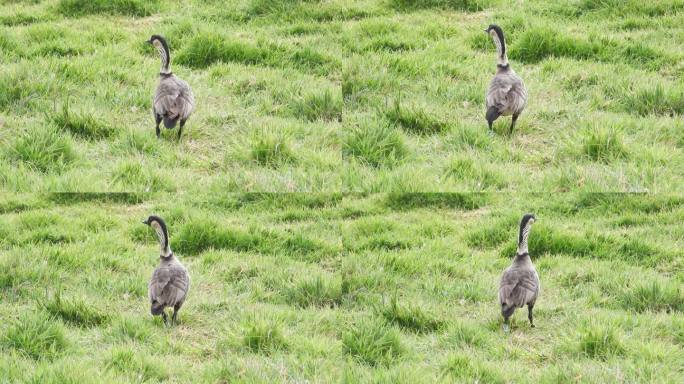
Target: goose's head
x,y
495,31
159,42
498,36
159,226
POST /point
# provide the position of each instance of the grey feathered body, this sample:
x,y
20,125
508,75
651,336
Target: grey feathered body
x,y
173,100
169,285
506,92
519,284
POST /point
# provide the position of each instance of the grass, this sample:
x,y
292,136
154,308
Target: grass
x,y
600,342
410,317
82,125
395,286
37,336
263,338
373,343
375,143
329,96
43,149
74,311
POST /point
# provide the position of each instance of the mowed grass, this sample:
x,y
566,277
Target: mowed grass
x,y
336,95
341,288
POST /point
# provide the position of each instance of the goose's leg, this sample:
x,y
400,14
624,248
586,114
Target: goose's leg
x,y
180,129
158,119
507,312
529,314
515,118
174,318
166,319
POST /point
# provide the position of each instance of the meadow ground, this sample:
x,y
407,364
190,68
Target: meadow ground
x,y
338,95
342,288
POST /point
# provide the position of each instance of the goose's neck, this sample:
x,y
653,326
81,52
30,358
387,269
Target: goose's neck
x,y
165,59
501,55
163,235
522,239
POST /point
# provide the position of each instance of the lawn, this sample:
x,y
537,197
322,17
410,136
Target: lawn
x,y
338,95
342,288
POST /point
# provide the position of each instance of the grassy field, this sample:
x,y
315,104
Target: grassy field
x,y
338,95
342,288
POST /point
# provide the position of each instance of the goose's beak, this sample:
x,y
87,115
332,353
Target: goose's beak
x,y
146,222
148,41
485,31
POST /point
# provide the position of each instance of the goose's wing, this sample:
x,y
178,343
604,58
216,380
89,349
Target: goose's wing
x,y
497,93
174,98
178,286
160,279
518,287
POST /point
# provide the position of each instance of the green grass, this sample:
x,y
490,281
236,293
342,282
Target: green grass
x,y
386,287
600,342
328,96
74,311
375,143
263,338
43,149
37,336
373,343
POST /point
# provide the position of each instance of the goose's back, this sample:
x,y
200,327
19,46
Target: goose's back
x,y
173,98
519,286
169,285
507,93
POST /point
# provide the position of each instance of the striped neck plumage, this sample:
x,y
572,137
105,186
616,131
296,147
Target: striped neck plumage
x,y
163,235
165,58
522,238
500,42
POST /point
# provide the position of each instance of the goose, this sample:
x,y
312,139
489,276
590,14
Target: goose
x,y
506,94
520,283
173,100
170,281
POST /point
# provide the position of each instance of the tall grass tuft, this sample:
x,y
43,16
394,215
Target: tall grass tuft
x,y
82,124
263,337
373,342
141,367
656,296
415,120
208,48
199,235
451,200
599,342
271,150
318,292
74,311
375,143
44,149
653,101
138,8
37,336
465,169
326,106
410,317
459,5
601,144
133,174
466,369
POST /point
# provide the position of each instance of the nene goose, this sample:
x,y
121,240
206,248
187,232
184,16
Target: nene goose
x,y
506,94
520,282
173,100
170,281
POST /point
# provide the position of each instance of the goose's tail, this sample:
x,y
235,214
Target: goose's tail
x,y
170,122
